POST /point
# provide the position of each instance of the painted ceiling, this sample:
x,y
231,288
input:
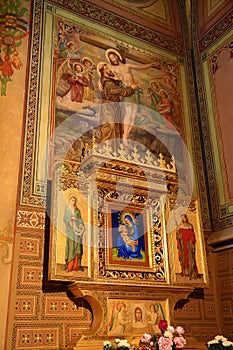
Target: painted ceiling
x,y
210,11
164,15
161,15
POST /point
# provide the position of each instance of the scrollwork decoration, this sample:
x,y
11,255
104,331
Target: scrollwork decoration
x,y
13,29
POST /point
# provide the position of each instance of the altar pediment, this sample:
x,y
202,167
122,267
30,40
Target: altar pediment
x,y
138,167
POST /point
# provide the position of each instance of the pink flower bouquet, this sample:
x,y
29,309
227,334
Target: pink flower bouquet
x,y
171,338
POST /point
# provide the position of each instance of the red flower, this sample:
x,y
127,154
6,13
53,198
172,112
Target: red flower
x,y
163,325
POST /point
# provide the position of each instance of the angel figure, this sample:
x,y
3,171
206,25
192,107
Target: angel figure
x,y
153,316
77,83
71,50
71,78
88,73
119,319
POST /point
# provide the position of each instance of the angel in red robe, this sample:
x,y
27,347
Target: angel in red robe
x,y
77,83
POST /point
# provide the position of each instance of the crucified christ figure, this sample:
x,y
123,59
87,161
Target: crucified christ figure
x,y
124,73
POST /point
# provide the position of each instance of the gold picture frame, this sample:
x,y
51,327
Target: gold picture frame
x,y
102,259
185,235
71,251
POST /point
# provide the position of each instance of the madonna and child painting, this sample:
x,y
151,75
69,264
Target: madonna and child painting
x,y
128,241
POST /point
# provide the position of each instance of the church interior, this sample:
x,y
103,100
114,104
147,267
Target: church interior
x,y
117,185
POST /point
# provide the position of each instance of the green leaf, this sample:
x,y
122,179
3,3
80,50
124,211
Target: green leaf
x,y
21,12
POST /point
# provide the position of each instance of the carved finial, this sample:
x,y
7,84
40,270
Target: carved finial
x,y
135,154
86,148
108,148
172,162
149,158
122,151
94,144
162,161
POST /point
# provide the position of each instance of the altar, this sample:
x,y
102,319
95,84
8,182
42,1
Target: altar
x,y
134,219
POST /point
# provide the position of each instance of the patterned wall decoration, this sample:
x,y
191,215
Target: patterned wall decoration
x,y
46,320
6,239
120,23
215,61
26,306
224,272
195,136
30,247
215,32
211,43
14,28
220,64
46,336
31,219
200,313
32,88
209,12
205,48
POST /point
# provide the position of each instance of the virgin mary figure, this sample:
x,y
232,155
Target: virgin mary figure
x,y
129,242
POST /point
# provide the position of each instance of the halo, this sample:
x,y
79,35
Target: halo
x,y
73,43
70,194
108,51
78,64
120,304
124,214
179,212
99,66
87,59
163,90
166,76
153,81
